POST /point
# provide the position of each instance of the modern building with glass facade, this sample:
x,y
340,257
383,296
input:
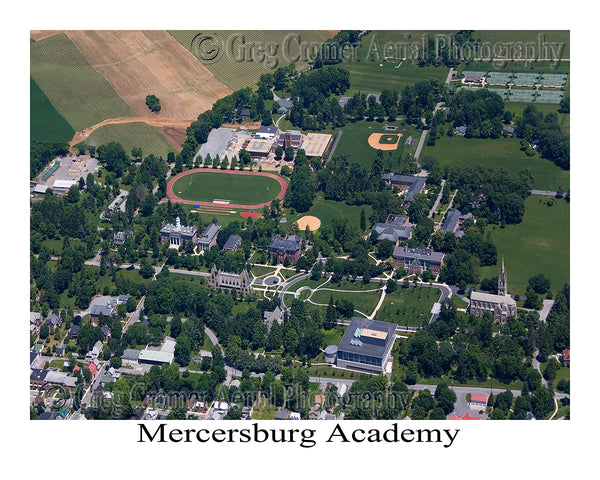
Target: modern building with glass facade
x,y
366,345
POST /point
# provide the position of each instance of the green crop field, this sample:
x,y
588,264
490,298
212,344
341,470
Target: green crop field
x,y
539,244
132,135
376,66
240,65
45,123
408,307
77,91
239,189
497,153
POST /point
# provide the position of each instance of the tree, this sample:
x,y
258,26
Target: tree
x,y
153,103
331,316
115,362
290,341
44,331
540,283
183,350
146,270
385,248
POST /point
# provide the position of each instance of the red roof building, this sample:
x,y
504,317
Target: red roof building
x,y
92,368
466,417
479,400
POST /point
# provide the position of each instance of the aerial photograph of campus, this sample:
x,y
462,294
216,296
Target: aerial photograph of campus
x,y
299,225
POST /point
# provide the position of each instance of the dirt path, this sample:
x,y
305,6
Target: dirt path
x,y
152,121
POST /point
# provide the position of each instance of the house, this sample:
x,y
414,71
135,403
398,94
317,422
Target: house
x,y
271,317
461,130
98,309
53,320
454,222
176,235
285,248
396,229
478,402
366,345
409,184
285,104
106,332
73,331
35,318
120,238
418,260
209,237
95,351
232,243
566,357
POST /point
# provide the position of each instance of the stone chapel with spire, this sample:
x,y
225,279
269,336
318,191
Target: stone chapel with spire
x,y
501,306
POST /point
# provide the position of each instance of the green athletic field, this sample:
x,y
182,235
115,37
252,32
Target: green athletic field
x,y
238,189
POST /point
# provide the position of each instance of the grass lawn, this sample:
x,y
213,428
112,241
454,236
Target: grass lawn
x,y
364,297
239,189
45,123
327,210
497,153
132,135
75,89
408,307
539,244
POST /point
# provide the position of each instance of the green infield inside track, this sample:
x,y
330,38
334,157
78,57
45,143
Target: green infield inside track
x,y
239,189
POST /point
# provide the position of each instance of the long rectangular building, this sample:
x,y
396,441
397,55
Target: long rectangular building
x,y
418,260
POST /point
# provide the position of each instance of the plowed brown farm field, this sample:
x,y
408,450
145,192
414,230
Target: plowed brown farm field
x,y
139,63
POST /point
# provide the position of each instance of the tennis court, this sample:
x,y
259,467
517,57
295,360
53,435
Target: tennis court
x,y
554,79
499,78
526,79
545,96
521,96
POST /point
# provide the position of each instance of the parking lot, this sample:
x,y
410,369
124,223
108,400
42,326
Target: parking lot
x,y
71,168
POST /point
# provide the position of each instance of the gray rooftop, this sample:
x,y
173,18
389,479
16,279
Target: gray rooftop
x,y
392,232
209,233
289,244
105,310
419,253
355,340
231,242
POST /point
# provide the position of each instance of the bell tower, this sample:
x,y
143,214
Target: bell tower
x,y
502,281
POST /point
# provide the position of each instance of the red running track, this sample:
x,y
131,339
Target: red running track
x,y
175,198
